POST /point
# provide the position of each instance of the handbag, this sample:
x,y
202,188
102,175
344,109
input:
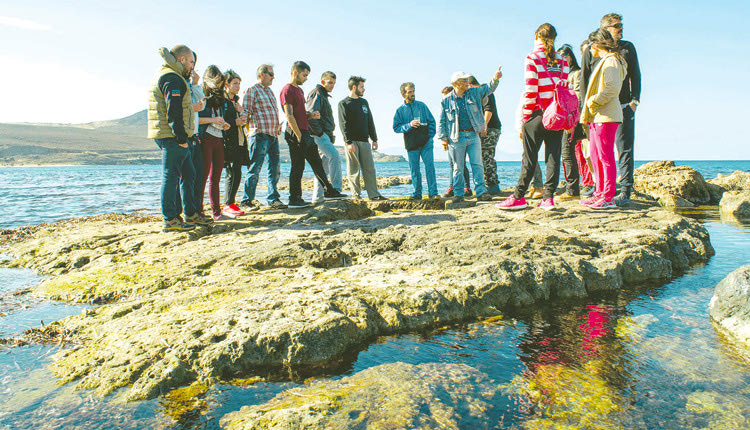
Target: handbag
x,y
562,113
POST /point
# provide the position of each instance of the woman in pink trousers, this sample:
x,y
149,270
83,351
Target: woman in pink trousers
x,y
603,114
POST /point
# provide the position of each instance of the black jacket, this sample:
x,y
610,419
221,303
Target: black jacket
x,y
631,86
355,119
317,101
235,141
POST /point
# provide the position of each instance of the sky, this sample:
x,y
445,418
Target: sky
x,y
81,61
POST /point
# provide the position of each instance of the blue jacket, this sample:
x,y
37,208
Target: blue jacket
x,y
449,111
406,113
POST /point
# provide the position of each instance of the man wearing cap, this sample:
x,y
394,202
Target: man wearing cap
x,y
461,122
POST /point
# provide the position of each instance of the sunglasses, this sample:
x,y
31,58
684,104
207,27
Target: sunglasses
x,y
618,25
269,74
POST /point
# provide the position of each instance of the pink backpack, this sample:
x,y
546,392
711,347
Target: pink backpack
x,y
562,113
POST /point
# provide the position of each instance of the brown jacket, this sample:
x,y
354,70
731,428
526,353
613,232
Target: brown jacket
x,y
602,103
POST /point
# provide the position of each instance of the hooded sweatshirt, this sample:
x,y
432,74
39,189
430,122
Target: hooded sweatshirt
x,y
170,112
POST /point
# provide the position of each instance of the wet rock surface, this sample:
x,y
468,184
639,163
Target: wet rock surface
x,y
736,204
302,287
397,395
730,305
672,185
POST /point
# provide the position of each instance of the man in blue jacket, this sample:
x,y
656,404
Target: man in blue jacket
x,y
461,122
415,121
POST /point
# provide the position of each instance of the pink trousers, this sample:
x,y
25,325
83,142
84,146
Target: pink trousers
x,y
602,153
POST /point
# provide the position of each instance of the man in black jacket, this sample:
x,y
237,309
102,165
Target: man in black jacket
x,y
322,132
630,96
358,127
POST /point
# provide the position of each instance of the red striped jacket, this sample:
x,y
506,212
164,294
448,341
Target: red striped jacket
x,y
539,83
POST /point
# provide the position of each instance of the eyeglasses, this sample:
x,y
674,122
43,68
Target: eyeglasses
x,y
617,26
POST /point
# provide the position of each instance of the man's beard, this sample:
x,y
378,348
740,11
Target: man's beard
x,y
359,93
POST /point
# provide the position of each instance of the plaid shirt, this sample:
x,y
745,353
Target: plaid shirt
x,y
260,103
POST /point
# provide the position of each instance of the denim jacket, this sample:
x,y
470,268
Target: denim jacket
x,y
449,111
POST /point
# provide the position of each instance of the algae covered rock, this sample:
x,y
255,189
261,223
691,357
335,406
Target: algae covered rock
x,y
670,184
730,305
396,395
300,288
736,204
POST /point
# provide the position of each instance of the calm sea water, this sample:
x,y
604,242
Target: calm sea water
x,y
648,357
34,195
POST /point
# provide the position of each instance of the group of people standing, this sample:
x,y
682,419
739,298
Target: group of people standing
x,y
204,129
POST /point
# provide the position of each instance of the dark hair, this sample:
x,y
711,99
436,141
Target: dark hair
x,y
327,75
406,85
473,80
213,86
568,50
602,39
300,66
355,81
547,34
609,19
231,75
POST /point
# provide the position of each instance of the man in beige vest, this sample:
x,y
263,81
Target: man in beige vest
x,y
170,124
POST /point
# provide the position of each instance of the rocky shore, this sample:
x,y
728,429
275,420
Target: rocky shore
x,y
301,288
730,305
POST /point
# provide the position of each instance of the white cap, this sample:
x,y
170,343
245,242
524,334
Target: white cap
x,y
459,75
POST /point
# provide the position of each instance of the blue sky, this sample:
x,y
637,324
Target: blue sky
x,y
80,61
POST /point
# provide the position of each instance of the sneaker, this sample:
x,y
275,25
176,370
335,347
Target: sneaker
x,y
535,193
621,199
334,194
298,203
567,196
512,204
484,197
221,217
378,198
587,191
176,224
448,193
277,204
603,204
590,201
198,219
547,204
494,190
435,197
251,206
467,192
232,211
415,198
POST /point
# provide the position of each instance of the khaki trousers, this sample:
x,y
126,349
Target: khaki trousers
x,y
360,163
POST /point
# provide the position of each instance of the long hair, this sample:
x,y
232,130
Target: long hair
x,y
547,34
568,50
603,40
213,86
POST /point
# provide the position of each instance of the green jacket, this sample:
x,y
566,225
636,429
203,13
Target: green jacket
x,y
160,124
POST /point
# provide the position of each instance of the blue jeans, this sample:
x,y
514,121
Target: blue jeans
x,y
177,170
331,164
425,153
467,178
194,147
468,144
260,145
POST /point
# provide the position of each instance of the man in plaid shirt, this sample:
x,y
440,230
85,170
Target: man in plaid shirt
x,y
263,130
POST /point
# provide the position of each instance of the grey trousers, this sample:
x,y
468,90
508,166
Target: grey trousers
x,y
360,163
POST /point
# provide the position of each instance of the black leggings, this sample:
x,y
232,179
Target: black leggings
x,y
232,181
534,134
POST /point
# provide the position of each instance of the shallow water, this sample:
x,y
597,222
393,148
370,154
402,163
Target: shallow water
x,y
647,357
35,195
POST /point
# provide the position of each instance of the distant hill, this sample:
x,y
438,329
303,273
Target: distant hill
x,y
119,141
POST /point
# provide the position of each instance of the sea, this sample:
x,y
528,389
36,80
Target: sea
x,y
645,357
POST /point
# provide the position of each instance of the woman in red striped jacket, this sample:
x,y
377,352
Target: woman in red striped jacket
x,y
544,67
